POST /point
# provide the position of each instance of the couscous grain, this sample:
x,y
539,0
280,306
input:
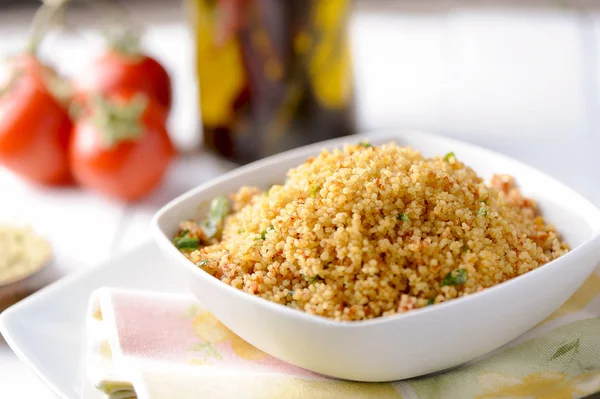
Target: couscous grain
x,y
372,231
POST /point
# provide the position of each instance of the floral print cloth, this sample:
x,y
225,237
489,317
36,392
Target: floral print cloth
x,y
159,346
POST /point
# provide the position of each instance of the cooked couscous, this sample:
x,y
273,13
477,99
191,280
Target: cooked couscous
x,y
371,231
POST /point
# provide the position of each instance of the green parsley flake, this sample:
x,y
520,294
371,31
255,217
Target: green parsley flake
x,y
219,208
455,277
186,242
313,191
482,211
430,302
365,144
314,279
263,234
448,156
203,262
404,217
464,248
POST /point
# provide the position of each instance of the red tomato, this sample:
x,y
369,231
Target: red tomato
x,y
121,148
116,71
34,126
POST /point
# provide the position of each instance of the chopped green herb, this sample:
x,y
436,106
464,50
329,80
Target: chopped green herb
x,y
240,231
182,241
203,262
404,217
482,211
464,248
314,279
263,234
186,242
430,302
365,144
313,191
448,156
210,230
455,277
219,208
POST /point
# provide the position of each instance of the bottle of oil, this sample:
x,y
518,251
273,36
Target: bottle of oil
x,y
273,74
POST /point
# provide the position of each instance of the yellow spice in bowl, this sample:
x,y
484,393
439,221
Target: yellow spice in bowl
x,y
22,253
371,231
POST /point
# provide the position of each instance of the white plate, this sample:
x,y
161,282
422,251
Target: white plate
x,y
46,330
415,343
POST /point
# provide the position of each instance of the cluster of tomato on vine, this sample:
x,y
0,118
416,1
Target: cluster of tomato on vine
x,y
104,129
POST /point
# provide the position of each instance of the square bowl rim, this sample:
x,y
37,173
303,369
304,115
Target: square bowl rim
x,y
388,135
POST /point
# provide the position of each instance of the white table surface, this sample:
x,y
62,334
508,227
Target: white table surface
x,y
526,84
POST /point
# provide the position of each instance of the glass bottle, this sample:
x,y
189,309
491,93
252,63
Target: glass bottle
x,y
273,74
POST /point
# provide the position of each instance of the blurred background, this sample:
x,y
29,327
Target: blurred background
x,y
519,77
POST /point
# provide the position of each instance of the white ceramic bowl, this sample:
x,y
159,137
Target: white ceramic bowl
x,y
414,343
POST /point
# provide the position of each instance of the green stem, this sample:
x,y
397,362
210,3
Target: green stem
x,y
121,32
119,121
42,20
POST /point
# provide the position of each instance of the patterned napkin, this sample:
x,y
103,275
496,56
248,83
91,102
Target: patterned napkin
x,y
159,346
